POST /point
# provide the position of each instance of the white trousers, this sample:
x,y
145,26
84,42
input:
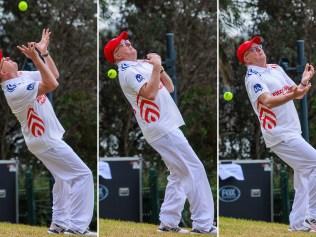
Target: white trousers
x,y
187,180
301,157
73,191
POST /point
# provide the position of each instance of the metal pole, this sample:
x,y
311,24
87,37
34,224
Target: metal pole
x,y
31,216
171,64
154,195
303,102
284,185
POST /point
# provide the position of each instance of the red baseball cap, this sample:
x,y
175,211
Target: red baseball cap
x,y
111,46
246,45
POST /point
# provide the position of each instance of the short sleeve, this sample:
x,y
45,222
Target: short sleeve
x,y
134,79
287,78
255,87
34,75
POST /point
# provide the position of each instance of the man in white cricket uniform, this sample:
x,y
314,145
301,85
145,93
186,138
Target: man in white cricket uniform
x,y
147,87
271,93
73,195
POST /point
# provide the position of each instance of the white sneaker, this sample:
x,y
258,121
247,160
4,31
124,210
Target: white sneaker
x,y
172,229
303,229
310,223
86,233
212,231
56,229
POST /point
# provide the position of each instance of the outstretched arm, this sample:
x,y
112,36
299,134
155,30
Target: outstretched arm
x,y
294,92
42,46
48,82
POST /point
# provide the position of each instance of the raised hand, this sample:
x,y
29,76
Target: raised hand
x,y
43,44
153,59
308,73
298,91
29,50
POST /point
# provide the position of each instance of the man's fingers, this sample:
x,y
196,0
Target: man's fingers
x,y
306,66
43,33
23,46
30,44
20,48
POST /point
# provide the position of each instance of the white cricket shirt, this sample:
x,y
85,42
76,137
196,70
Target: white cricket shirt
x,y
155,117
280,123
40,126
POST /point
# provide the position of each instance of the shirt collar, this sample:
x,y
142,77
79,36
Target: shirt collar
x,y
259,69
128,62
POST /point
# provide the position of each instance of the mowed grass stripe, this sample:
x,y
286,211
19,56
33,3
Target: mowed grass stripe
x,y
230,227
112,228
17,230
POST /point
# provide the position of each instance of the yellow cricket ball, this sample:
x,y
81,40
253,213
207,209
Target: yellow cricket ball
x,y
228,96
112,73
23,6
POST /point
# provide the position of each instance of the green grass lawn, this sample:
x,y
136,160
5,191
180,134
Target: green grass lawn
x,y
111,228
230,227
15,230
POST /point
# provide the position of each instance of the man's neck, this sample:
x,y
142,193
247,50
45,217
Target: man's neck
x,y
258,64
9,77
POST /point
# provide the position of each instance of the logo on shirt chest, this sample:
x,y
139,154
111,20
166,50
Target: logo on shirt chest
x,y
139,77
282,91
34,123
30,86
149,111
257,87
267,118
124,66
11,87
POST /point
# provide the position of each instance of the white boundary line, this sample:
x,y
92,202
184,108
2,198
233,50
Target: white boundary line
x,y
98,117
217,115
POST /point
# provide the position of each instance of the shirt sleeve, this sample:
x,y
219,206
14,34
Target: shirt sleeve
x,y
287,78
134,79
255,87
34,75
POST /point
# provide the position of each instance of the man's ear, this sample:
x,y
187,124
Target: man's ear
x,y
117,56
246,59
3,74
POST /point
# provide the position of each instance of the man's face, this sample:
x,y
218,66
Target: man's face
x,y
7,66
125,51
255,54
